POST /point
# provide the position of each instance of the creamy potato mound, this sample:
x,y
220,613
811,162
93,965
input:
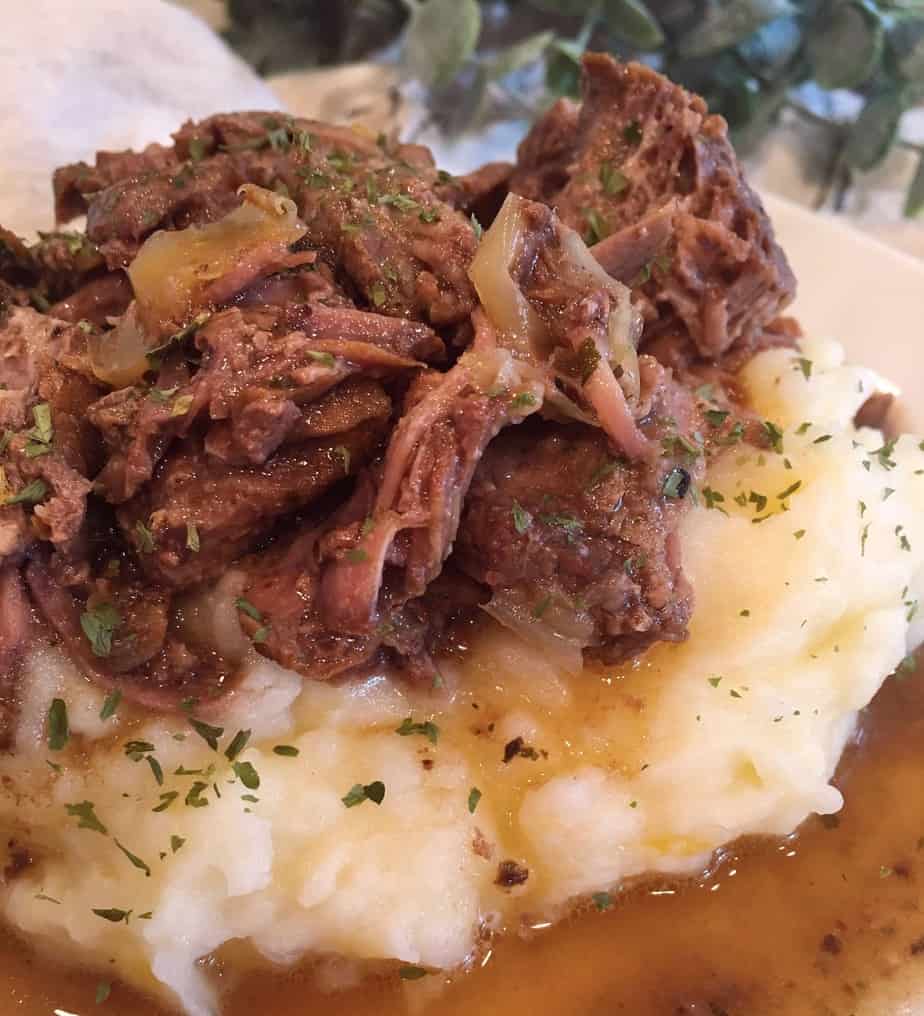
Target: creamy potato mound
x,y
807,566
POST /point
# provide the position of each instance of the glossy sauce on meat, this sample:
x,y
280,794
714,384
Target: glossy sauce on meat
x,y
828,921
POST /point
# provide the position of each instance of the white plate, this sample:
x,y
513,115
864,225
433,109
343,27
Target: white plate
x,y
856,290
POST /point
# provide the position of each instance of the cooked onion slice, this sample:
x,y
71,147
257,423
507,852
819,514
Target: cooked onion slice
x,y
611,390
177,273
174,268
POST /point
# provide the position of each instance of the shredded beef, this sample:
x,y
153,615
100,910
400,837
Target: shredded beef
x,y
371,209
641,150
334,435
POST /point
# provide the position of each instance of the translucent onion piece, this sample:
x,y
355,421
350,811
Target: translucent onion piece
x,y
518,325
119,356
561,632
624,327
173,269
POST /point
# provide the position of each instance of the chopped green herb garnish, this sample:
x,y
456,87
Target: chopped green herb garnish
x,y
864,536
356,555
822,439
176,842
613,180
113,914
135,750
320,357
32,493
47,899
412,973
716,417
790,490
237,745
402,202
286,750
676,483
429,730
163,395
805,366
774,435
246,773
477,227
758,500
602,901
359,792
181,405
87,818
246,607
145,538
713,498
134,859
884,454
194,798
799,533
377,294
596,227
571,525
207,732
40,436
156,769
58,728
103,990
523,399
110,705
474,796
715,681
522,519
166,800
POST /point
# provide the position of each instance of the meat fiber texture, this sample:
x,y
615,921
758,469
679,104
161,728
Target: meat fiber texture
x,y
108,75
645,767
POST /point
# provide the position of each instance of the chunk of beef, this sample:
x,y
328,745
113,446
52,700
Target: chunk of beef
x,y
571,539
248,372
39,357
374,566
96,301
480,193
373,211
144,656
266,424
75,185
640,146
199,514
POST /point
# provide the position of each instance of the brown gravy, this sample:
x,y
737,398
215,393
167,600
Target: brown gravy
x,y
828,922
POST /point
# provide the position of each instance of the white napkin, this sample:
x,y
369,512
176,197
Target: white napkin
x,y
102,74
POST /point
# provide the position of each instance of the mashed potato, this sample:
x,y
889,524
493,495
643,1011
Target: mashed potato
x,y
807,565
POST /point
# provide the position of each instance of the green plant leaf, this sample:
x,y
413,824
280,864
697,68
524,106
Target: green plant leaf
x,y
569,8
728,22
914,201
905,38
632,21
770,49
441,36
874,130
563,67
521,54
845,44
